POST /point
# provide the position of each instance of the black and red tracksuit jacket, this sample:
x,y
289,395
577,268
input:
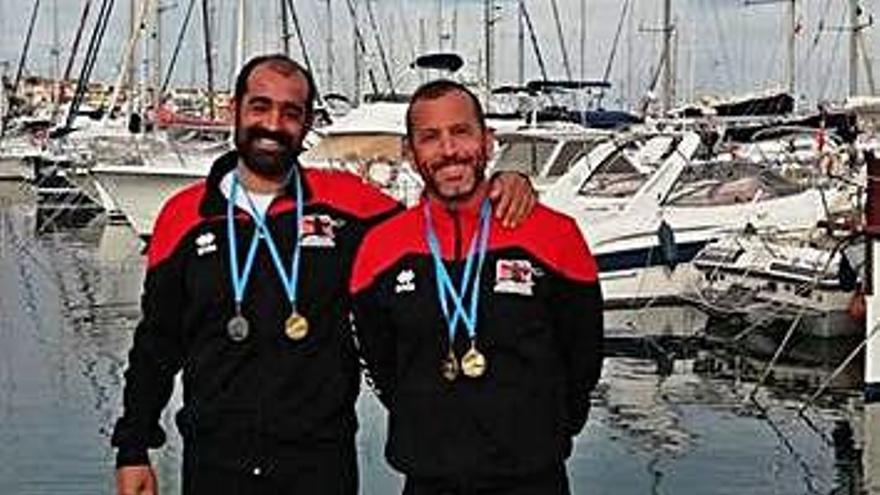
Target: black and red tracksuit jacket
x,y
539,325
245,403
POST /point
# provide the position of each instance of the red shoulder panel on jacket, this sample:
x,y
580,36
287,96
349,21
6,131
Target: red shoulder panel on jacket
x,y
549,236
348,193
178,215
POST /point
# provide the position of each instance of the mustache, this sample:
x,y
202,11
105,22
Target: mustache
x,y
260,133
444,162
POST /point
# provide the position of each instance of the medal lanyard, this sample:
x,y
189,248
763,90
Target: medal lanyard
x,y
289,283
444,282
239,282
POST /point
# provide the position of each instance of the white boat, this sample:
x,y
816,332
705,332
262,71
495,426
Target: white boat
x,y
764,280
646,208
545,152
139,191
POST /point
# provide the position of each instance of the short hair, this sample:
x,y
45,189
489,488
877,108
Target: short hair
x,y
440,87
283,65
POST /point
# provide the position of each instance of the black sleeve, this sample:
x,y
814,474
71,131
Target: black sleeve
x,y
580,325
155,357
376,339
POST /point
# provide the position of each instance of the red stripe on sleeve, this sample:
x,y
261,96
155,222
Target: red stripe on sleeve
x,y
178,216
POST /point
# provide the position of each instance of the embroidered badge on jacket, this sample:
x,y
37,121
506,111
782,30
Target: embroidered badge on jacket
x,y
514,277
205,244
319,231
406,281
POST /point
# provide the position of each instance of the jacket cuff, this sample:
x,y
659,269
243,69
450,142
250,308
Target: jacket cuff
x,y
131,456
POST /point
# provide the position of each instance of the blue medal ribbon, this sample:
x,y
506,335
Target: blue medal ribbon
x,y
239,282
289,282
445,287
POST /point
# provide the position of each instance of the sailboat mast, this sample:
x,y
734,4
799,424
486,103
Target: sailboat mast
x,y
520,44
240,35
854,47
668,75
790,61
209,59
328,41
489,8
285,28
583,33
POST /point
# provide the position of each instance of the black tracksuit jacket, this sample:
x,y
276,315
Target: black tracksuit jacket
x,y
539,325
268,398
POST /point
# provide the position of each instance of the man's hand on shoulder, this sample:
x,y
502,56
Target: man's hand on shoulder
x,y
513,196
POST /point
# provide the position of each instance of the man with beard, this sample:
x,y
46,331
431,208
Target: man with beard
x,y
245,292
484,343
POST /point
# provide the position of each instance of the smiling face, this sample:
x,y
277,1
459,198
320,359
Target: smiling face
x,y
271,120
449,144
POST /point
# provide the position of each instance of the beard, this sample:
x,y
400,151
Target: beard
x,y
460,190
267,163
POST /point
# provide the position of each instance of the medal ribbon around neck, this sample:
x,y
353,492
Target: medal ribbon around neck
x,y
445,286
289,282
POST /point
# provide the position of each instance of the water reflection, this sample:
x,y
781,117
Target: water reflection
x,y
672,412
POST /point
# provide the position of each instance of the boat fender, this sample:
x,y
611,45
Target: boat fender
x,y
857,308
668,248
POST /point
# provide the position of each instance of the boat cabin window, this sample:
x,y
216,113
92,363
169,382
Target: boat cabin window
x,y
714,184
616,177
570,153
530,155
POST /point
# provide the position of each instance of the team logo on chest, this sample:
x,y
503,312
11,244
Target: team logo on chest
x,y
406,281
319,231
514,277
205,244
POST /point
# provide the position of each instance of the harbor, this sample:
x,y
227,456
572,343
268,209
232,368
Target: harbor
x,y
722,162
680,408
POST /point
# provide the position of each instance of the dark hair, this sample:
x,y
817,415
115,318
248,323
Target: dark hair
x,y
282,64
440,87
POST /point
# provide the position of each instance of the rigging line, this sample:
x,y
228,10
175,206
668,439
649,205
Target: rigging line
x,y
380,46
525,13
77,38
89,63
302,42
561,37
773,60
614,46
820,29
726,59
834,51
26,48
808,473
359,39
180,35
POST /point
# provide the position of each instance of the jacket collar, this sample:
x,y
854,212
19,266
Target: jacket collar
x,y
214,202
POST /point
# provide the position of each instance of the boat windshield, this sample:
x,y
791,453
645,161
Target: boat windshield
x,y
713,184
616,177
529,155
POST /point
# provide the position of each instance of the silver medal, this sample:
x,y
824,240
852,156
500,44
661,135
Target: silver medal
x,y
238,328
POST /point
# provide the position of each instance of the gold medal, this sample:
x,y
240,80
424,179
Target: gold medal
x,y
296,327
473,363
449,366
